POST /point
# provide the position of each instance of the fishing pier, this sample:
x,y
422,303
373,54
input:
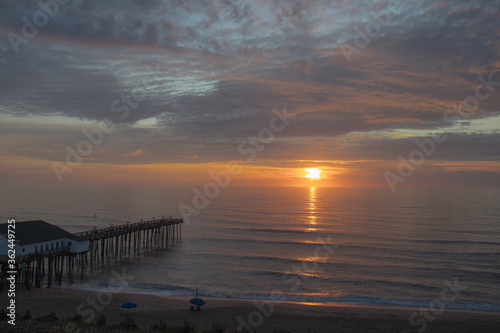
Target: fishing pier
x,y
45,251
129,239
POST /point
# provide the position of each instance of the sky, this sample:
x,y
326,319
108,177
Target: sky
x,y
373,93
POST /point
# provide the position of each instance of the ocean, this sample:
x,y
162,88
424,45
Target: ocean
x,y
307,244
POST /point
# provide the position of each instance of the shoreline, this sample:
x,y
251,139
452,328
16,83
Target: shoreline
x,y
265,316
346,304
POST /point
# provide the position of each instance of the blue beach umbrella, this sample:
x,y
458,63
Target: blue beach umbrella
x,y
129,305
197,301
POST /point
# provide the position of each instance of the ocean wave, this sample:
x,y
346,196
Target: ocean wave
x,y
283,231
457,242
188,291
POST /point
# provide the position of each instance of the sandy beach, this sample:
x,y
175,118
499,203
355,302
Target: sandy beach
x,y
245,314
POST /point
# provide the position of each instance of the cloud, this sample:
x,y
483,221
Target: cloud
x,y
211,72
138,152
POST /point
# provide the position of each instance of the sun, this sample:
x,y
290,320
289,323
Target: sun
x,y
313,173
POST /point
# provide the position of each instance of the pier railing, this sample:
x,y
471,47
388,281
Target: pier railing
x,y
127,228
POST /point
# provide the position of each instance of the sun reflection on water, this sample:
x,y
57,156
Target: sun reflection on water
x,y
312,208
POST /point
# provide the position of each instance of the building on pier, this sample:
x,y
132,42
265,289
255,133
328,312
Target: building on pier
x,y
39,237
